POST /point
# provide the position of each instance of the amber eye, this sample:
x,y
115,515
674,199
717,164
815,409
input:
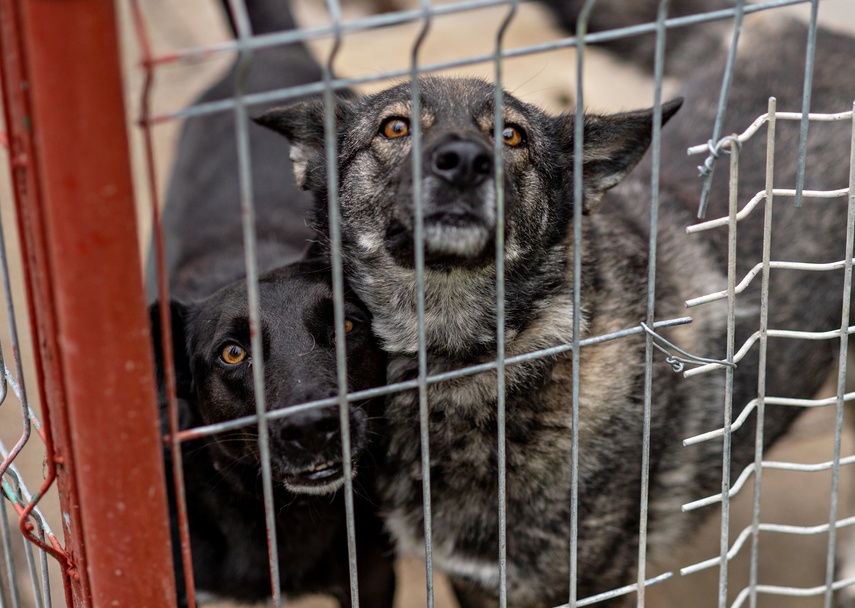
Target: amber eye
x,y
513,136
233,354
394,127
348,326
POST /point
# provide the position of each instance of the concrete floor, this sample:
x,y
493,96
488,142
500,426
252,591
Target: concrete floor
x,y
546,79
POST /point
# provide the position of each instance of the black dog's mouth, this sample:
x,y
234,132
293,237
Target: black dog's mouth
x,y
306,450
323,471
320,478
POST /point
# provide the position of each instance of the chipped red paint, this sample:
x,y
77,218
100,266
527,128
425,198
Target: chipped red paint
x,y
69,154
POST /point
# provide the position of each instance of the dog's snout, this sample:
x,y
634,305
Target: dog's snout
x,y
311,431
462,162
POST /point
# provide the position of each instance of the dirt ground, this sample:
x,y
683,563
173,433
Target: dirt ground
x,y
546,79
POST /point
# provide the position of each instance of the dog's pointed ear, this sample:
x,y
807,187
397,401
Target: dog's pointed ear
x,y
303,124
178,313
613,145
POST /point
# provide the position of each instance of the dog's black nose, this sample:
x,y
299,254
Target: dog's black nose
x,y
312,430
462,162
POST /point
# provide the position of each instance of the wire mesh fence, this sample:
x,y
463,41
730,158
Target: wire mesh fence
x,y
567,447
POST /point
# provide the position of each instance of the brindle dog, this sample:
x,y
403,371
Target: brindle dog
x,y
458,187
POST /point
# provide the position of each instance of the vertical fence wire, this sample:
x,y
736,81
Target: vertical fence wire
x,y
37,567
28,553
419,257
43,567
806,94
763,351
12,585
330,139
16,355
498,148
165,329
728,391
9,457
247,205
578,200
841,374
25,419
659,64
709,166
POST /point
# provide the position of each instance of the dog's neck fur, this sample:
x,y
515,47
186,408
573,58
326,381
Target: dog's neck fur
x,y
460,306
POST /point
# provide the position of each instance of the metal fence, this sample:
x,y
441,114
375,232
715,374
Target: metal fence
x,y
93,374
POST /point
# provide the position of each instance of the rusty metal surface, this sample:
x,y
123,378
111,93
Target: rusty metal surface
x,y
75,200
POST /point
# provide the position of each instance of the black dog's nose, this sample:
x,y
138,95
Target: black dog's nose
x,y
312,430
461,162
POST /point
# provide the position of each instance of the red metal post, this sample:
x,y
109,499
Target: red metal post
x,y
66,120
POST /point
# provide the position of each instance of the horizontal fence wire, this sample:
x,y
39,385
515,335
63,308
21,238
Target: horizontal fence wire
x,y
428,10
768,400
291,93
792,591
784,529
212,429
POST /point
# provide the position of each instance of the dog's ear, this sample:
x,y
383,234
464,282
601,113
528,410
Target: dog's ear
x,y
178,313
613,145
303,124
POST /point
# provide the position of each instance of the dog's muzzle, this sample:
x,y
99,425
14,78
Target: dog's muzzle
x,y
307,454
458,203
459,207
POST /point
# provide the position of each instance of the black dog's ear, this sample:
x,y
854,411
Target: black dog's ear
x,y
183,376
613,145
303,124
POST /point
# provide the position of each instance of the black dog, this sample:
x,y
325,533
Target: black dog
x,y
214,363
223,486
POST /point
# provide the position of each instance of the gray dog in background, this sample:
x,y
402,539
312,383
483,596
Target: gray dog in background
x,y
459,202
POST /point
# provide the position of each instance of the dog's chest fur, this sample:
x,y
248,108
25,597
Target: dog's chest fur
x,y
463,448
464,464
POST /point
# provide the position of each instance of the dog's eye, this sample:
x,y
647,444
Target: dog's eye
x,y
513,136
394,127
348,326
233,354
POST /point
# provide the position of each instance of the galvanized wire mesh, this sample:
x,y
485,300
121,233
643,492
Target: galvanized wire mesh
x,y
426,15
